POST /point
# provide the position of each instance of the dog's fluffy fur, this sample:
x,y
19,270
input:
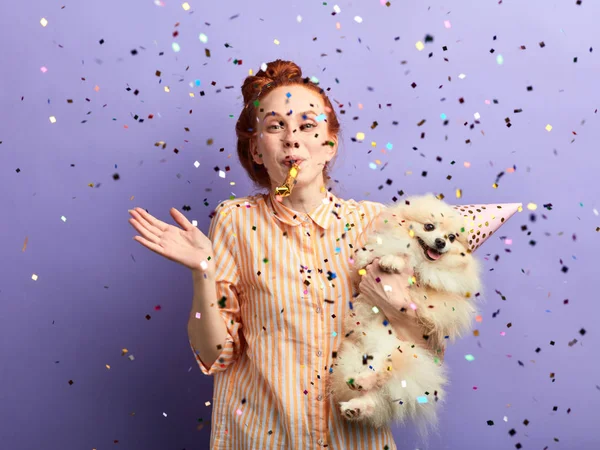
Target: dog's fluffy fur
x,y
378,377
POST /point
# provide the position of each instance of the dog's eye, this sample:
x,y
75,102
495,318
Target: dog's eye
x,y
451,237
429,227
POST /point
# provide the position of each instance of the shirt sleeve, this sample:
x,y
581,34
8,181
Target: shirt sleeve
x,y
227,281
372,219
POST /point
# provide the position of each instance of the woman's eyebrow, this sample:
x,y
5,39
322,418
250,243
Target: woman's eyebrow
x,y
275,114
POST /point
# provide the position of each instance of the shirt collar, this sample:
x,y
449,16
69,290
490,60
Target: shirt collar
x,y
331,208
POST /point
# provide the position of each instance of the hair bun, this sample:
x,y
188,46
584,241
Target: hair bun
x,y
276,72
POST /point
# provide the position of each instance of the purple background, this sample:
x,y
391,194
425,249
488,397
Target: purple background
x,y
96,286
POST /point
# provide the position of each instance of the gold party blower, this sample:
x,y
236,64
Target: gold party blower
x,y
289,183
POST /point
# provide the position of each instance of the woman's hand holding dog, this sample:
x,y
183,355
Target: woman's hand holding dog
x,y
388,290
391,294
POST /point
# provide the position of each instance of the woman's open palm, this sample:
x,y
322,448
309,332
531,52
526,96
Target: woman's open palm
x,y
186,245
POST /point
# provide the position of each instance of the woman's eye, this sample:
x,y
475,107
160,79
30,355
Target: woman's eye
x,y
429,227
309,125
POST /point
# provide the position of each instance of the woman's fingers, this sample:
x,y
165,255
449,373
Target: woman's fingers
x,y
181,219
147,234
150,221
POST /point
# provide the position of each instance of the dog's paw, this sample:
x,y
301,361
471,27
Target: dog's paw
x,y
348,411
362,382
356,409
392,263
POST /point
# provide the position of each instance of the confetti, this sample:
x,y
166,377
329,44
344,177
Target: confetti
x,y
44,22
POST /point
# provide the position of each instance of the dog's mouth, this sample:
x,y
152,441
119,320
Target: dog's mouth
x,y
430,253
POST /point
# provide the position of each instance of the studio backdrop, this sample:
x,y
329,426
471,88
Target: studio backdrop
x,y
108,105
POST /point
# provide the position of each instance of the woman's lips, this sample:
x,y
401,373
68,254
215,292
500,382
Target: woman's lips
x,y
289,163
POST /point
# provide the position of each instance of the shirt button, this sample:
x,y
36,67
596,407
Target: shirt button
x,y
318,309
319,353
319,397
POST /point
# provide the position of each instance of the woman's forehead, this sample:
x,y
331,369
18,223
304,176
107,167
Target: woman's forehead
x,y
284,99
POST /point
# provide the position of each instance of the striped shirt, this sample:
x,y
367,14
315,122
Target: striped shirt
x,y
283,288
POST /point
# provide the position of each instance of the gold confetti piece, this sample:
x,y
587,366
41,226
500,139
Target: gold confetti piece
x,y
34,277
185,6
458,193
44,22
167,89
52,119
276,41
107,366
420,46
531,206
467,164
360,136
206,403
548,127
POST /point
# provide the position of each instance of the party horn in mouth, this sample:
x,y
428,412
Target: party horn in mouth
x,y
289,183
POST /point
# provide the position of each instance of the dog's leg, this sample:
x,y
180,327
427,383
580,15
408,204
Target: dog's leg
x,y
392,263
360,408
375,367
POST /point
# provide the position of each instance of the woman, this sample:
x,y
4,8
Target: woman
x,y
271,280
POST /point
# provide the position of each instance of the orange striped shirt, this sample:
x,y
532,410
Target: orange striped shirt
x,y
283,288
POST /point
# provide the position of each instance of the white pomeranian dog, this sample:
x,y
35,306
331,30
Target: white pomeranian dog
x,y
390,368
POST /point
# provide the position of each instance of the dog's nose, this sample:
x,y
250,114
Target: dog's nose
x,y
440,243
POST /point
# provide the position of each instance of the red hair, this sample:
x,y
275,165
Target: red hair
x,y
278,73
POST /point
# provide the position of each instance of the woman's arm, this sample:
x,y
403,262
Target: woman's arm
x,y
206,329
